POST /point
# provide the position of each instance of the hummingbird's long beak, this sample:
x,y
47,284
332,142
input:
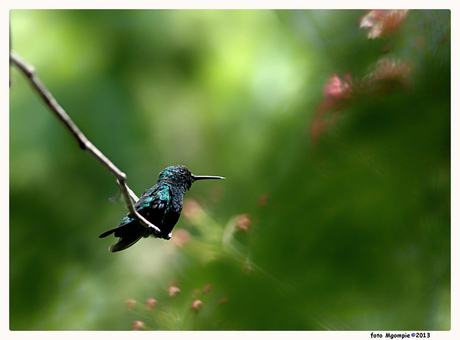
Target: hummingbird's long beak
x,y
196,178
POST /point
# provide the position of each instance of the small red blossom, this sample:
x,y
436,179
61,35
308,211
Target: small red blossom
x,y
340,93
243,222
191,208
150,304
382,22
337,89
207,288
196,305
263,199
388,74
337,93
181,237
137,325
173,291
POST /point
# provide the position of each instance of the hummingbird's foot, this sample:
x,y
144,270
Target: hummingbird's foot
x,y
165,237
154,230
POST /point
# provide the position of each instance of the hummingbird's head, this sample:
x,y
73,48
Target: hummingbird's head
x,y
179,174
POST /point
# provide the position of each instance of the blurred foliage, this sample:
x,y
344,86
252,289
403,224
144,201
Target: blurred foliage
x,y
334,138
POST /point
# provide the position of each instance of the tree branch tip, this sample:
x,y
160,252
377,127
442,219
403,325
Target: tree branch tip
x,y
19,61
84,144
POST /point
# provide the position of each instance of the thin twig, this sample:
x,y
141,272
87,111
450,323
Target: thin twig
x,y
126,196
83,142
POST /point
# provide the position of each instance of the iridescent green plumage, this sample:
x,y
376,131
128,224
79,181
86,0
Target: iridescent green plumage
x,y
161,205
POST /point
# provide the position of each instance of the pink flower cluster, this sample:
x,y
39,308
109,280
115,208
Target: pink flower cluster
x,y
381,22
387,74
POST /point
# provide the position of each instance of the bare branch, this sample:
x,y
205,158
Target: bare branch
x,y
60,113
84,143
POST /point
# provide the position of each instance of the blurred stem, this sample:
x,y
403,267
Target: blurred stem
x,y
84,143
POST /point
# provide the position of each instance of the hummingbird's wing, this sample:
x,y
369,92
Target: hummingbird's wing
x,y
155,198
150,205
152,201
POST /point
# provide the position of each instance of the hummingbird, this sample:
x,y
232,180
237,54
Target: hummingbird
x,y
161,205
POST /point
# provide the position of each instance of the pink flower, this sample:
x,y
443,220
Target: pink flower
x,y
382,22
150,304
337,93
387,75
181,237
196,305
137,325
207,288
173,291
243,222
191,208
263,199
337,89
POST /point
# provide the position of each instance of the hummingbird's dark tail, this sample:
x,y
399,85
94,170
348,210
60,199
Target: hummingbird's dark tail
x,y
129,234
123,243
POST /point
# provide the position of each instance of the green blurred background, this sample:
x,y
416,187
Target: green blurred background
x,y
347,231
